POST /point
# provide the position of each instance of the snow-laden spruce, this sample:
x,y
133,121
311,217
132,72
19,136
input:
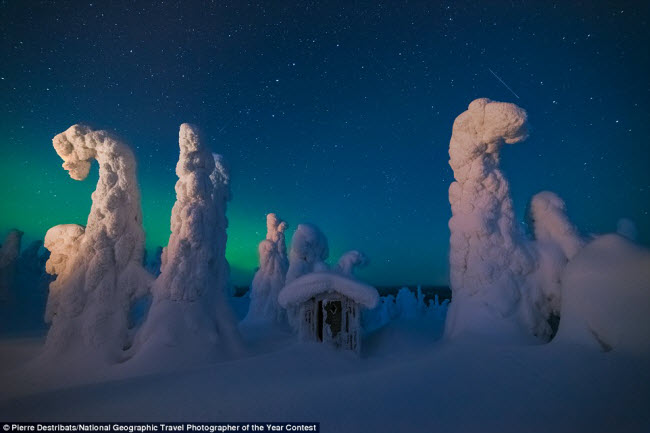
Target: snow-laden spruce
x,y
487,262
99,267
189,317
503,284
9,253
309,250
269,278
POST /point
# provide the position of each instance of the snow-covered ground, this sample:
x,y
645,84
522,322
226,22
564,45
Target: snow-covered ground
x,y
407,379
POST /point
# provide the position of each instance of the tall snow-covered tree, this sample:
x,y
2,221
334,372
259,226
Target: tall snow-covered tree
x,y
189,317
488,259
99,267
503,284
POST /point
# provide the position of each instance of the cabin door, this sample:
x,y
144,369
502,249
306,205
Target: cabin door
x,y
333,317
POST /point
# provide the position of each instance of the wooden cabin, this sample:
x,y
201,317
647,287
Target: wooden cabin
x,y
328,307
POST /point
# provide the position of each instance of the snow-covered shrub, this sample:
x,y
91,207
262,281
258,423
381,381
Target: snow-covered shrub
x,y
438,309
189,315
99,267
406,306
606,297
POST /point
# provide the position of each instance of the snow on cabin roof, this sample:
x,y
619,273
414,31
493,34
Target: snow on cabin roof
x,y
312,284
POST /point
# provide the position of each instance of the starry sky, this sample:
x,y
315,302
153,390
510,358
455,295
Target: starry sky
x,y
335,113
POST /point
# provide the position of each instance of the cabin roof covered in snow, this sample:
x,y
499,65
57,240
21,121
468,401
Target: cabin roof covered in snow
x,y
307,286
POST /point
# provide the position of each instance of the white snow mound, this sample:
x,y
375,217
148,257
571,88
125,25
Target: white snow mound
x,y
606,297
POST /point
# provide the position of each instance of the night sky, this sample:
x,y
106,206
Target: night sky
x,y
338,114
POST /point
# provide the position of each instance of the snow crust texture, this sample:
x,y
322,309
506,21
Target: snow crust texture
x,y
99,267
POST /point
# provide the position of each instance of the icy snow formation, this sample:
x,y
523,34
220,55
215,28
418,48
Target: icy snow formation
x,y
189,314
269,278
9,253
314,283
606,297
99,268
309,250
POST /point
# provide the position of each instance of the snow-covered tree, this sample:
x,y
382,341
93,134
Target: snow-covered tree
x,y
309,250
350,261
189,316
270,277
99,267
550,223
221,195
488,258
503,283
9,253
556,241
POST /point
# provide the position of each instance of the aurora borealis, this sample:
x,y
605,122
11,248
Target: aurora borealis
x,y
330,113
